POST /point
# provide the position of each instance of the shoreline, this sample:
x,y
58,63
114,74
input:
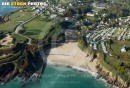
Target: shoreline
x,y
80,69
74,68
55,58
12,11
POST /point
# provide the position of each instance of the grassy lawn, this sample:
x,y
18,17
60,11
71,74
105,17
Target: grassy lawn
x,y
116,32
91,18
20,16
13,22
37,29
18,38
106,66
117,45
65,1
8,26
112,61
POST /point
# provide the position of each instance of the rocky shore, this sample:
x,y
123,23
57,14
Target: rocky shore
x,y
110,78
79,61
27,64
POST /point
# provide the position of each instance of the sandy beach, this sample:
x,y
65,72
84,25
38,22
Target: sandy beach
x,y
69,54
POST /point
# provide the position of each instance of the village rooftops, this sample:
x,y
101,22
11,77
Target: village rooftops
x,y
101,5
129,34
95,47
104,47
88,35
123,49
90,14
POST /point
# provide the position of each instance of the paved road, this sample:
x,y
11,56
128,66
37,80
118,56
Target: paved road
x,y
20,27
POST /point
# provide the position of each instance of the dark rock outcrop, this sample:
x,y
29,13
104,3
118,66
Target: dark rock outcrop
x,y
111,79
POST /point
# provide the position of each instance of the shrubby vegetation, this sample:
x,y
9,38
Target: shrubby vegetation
x,y
117,8
1,35
81,43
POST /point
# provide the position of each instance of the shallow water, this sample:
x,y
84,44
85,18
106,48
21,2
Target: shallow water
x,y
59,77
7,9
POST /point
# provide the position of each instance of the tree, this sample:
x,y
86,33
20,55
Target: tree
x,y
1,35
110,41
81,43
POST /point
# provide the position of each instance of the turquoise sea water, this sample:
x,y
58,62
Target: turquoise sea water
x,y
59,77
6,9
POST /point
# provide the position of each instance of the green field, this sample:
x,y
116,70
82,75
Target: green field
x,y
117,45
108,67
20,16
15,19
91,18
37,29
8,26
19,39
118,63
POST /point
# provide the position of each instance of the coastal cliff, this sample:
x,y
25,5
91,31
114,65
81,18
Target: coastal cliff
x,y
4,18
87,62
22,64
110,78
